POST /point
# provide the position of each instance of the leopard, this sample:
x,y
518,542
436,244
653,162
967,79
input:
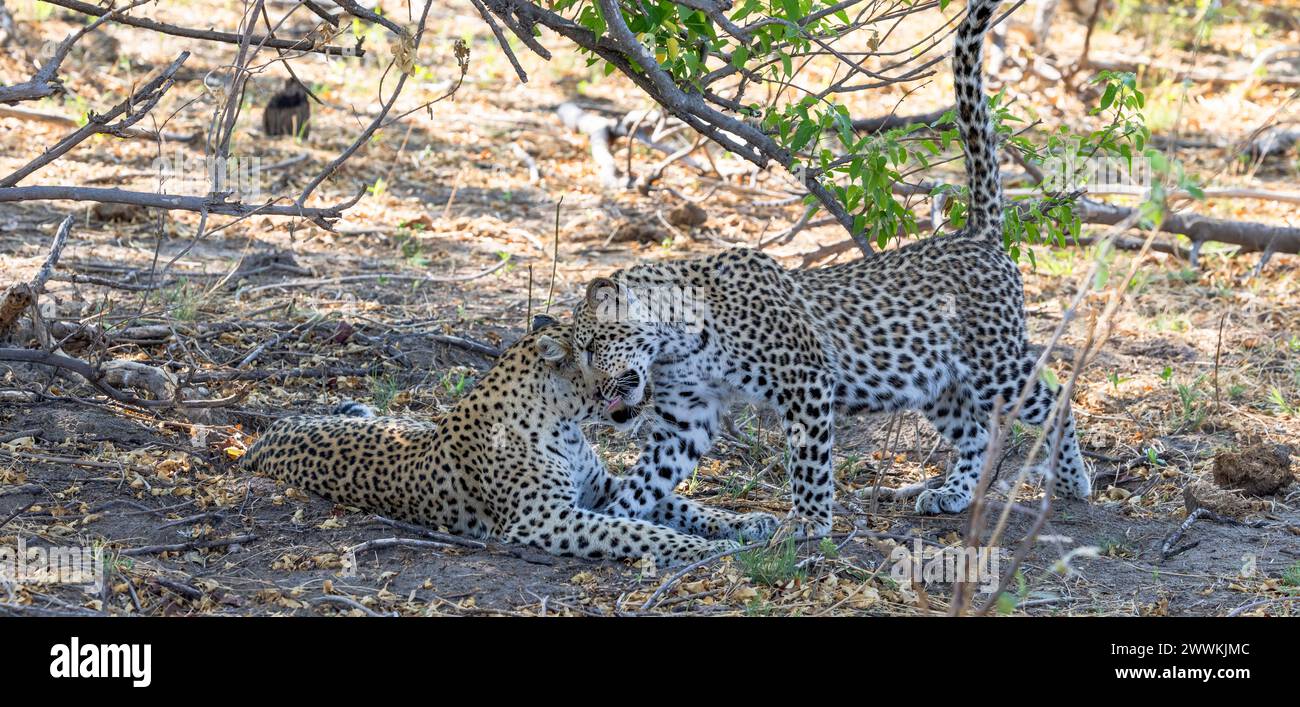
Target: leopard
x,y
508,462
936,325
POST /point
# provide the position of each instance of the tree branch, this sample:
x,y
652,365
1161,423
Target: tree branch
x,y
212,205
136,106
302,45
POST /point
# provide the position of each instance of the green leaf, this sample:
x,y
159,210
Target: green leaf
x,y
740,56
1108,97
806,130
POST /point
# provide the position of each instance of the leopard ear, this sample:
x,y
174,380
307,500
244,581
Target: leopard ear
x,y
541,321
553,350
602,292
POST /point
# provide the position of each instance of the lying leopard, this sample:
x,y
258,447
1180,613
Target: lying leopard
x,y
509,462
937,325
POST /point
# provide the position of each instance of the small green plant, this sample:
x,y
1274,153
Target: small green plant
x,y
1115,380
1291,576
383,391
184,301
828,549
739,485
1280,403
1115,547
1192,406
456,382
772,565
1153,457
1007,601
411,248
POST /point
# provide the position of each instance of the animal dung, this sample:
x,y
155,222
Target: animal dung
x,y
1258,469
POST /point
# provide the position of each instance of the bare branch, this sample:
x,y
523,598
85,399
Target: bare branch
x,y
201,204
135,107
302,45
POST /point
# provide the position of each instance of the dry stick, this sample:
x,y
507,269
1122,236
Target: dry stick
x,y
501,40
1060,406
135,107
431,534
94,376
303,45
555,256
1218,352
170,202
17,513
975,521
468,345
1167,547
380,543
1263,602
192,545
309,283
11,436
65,121
348,602
15,490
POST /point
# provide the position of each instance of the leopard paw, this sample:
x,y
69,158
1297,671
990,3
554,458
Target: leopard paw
x,y
938,501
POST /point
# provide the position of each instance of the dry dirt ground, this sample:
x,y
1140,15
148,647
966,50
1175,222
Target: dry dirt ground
x,y
1199,363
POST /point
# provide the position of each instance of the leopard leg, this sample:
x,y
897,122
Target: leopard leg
x,y
1068,474
682,429
808,419
957,417
692,517
562,529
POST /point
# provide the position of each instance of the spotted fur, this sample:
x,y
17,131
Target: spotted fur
x,y
509,462
937,325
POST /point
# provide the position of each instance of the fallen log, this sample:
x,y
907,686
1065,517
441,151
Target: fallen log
x,y
1201,229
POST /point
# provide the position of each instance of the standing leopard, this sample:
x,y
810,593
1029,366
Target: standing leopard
x,y
937,325
508,462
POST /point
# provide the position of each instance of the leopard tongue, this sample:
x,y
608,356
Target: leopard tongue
x,y
614,404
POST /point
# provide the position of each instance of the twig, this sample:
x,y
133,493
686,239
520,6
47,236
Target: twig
x,y
346,601
319,282
468,345
46,81
11,436
431,534
202,204
380,543
1263,602
192,545
135,107
17,513
302,45
65,121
